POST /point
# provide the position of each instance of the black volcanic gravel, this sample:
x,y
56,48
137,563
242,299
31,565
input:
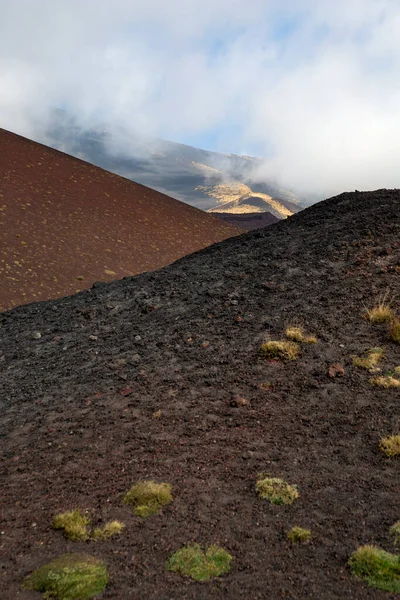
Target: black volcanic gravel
x,y
83,376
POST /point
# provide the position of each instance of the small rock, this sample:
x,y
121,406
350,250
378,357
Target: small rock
x,y
93,338
137,338
336,370
265,385
205,344
240,401
37,335
136,358
117,364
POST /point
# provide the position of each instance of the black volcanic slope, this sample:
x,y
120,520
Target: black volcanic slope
x,y
160,376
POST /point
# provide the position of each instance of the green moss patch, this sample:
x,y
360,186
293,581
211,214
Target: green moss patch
x,y
276,490
148,497
201,566
74,524
378,568
69,577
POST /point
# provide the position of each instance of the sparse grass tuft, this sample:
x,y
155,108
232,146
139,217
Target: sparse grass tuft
x,y
109,530
201,566
298,535
296,334
378,568
276,490
381,312
69,577
148,497
395,532
390,445
385,381
370,361
394,331
74,524
282,350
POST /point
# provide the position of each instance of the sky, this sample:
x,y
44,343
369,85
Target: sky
x,y
311,85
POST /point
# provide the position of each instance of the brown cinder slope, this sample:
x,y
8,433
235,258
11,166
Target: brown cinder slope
x,y
65,224
161,377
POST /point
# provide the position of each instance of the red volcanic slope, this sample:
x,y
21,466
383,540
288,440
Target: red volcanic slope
x,y
65,224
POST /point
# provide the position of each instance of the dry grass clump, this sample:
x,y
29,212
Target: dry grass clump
x,y
394,331
74,523
69,577
109,530
280,349
276,490
296,334
148,497
378,568
298,535
370,361
201,566
390,445
381,312
395,532
385,381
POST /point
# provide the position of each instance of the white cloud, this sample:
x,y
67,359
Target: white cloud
x,y
321,97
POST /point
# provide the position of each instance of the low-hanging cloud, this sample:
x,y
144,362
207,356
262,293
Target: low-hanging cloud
x,y
311,85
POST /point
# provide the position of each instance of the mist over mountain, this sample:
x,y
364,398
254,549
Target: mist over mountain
x,y
198,177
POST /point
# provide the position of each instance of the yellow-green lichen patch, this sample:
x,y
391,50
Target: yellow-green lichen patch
x,y
299,535
74,524
276,490
109,530
370,360
148,497
390,445
296,334
282,350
